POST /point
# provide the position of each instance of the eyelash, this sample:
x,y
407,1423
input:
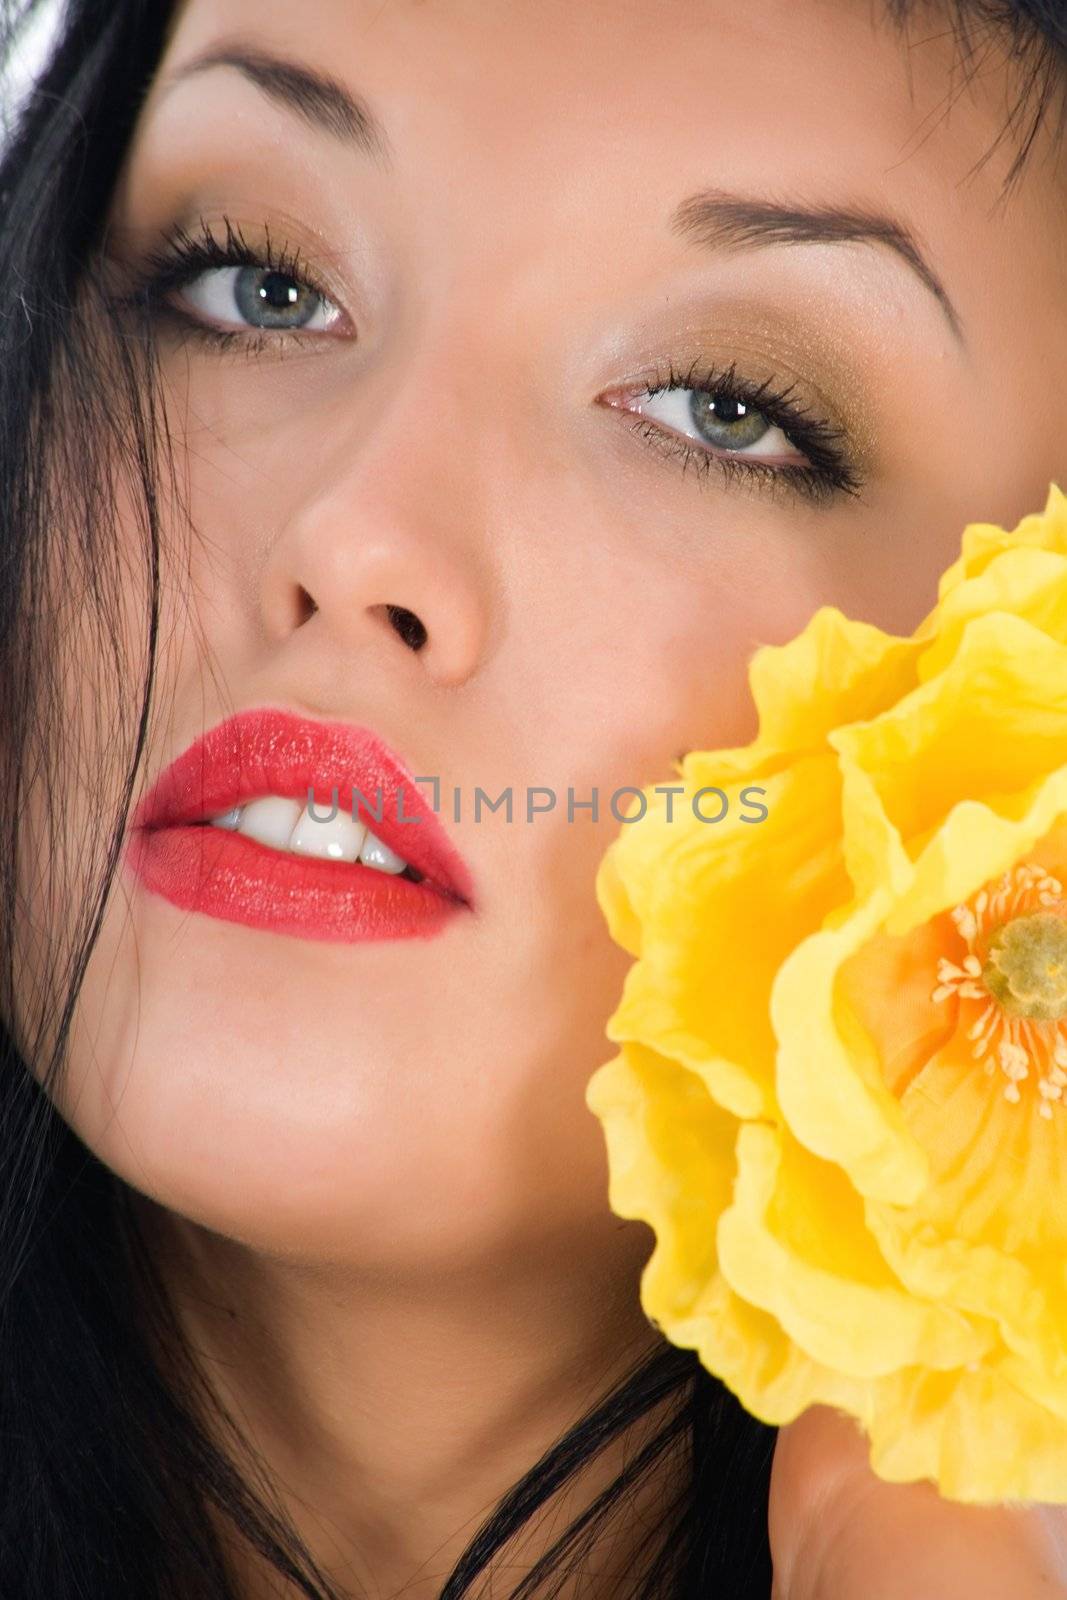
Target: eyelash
x,y
182,257
828,471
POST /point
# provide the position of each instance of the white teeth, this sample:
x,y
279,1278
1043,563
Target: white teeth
x,y
229,819
339,839
270,820
376,854
287,825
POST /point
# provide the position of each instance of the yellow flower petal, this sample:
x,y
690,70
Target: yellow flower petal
x,y
1026,583
709,951
835,671
672,1165
982,542
840,1100
794,1242
976,1433
829,1073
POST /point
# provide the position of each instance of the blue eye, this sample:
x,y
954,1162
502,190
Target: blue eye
x,y
258,297
230,291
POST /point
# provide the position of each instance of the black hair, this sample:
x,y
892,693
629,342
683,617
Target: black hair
x,y
1034,33
112,1474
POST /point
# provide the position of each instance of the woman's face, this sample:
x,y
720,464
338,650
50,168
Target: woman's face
x,y
454,418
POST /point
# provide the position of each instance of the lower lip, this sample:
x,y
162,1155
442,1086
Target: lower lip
x,y
224,874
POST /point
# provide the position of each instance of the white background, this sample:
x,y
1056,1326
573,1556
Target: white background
x,y
28,59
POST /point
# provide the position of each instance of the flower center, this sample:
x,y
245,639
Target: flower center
x,y
1027,966
1016,968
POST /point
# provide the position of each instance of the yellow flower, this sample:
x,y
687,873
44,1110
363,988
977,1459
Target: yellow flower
x,y
840,1097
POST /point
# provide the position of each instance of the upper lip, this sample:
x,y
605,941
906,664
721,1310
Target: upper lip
x,y
269,751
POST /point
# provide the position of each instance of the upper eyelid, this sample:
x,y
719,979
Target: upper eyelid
x,y
231,242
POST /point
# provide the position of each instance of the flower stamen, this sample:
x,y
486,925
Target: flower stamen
x,y
1016,963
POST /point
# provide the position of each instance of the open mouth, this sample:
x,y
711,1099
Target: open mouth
x,y
285,825
237,828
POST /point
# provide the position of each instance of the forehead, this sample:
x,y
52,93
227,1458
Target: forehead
x,y
806,79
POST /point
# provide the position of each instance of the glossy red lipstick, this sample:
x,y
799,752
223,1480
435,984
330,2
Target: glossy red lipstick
x,y
174,852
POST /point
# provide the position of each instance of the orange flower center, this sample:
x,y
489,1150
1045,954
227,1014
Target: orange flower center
x,y
1015,968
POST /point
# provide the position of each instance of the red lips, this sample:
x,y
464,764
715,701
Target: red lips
x,y
224,874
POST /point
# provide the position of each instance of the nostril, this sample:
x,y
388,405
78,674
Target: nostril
x,y
408,626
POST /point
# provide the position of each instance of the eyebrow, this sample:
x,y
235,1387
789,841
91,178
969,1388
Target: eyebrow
x,y
711,218
717,219
320,100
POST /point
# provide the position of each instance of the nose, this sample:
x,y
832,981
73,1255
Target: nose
x,y
381,557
